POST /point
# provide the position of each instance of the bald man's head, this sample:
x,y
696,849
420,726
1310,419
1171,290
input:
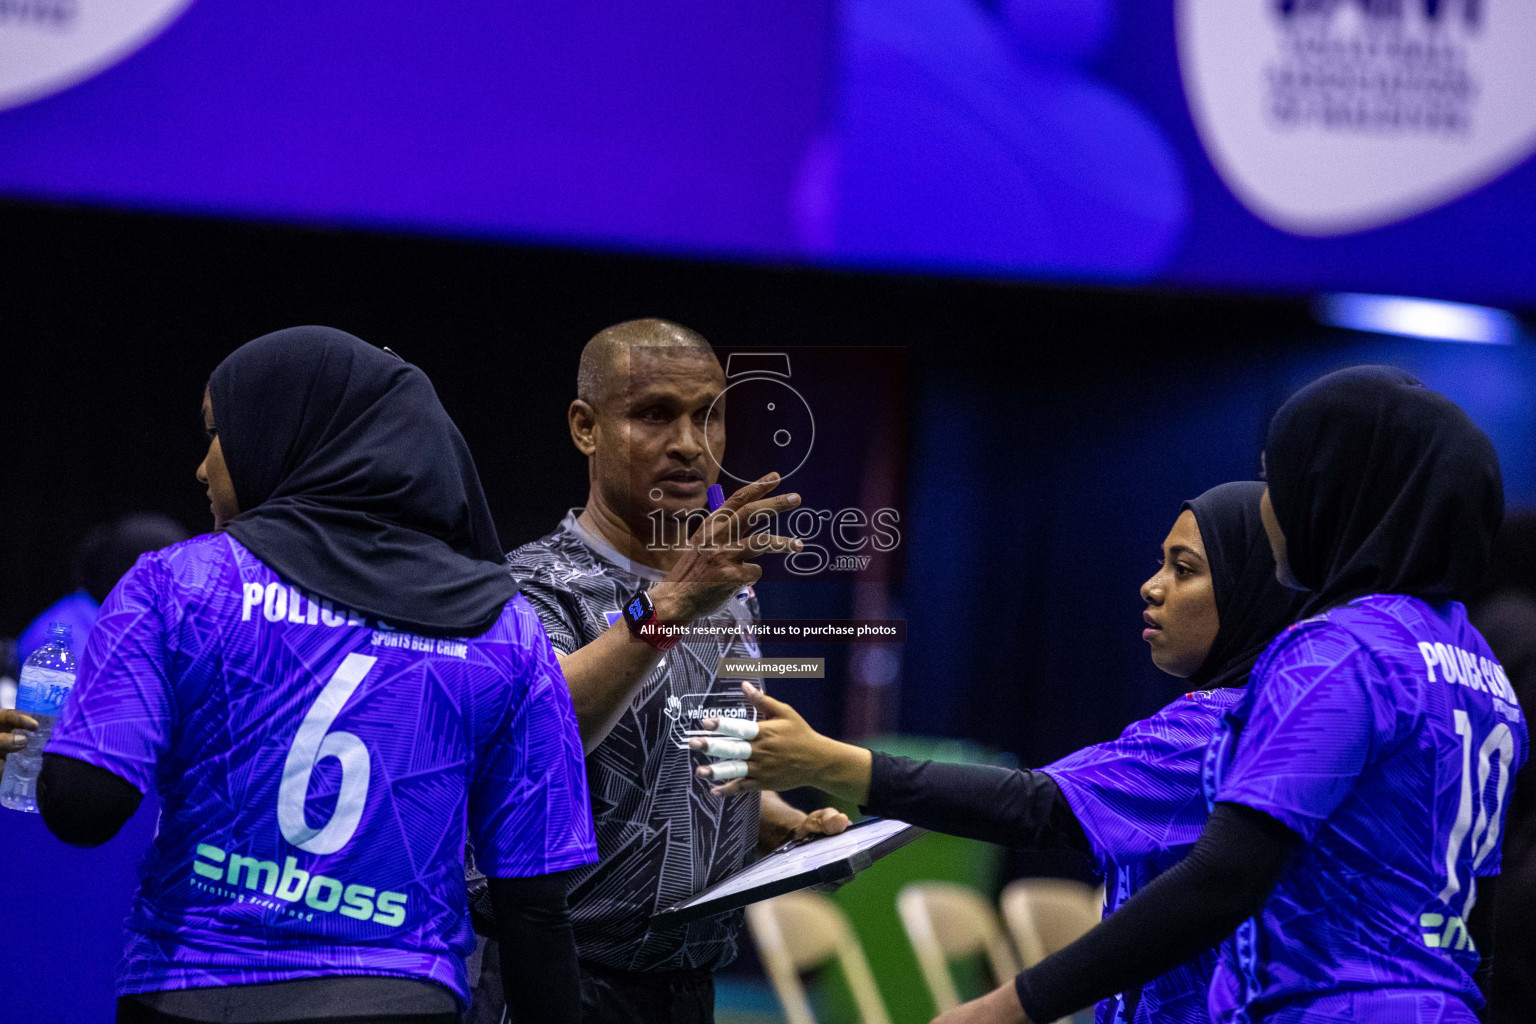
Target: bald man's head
x,y
605,361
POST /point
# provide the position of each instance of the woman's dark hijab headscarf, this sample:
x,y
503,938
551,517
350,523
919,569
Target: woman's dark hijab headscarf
x,y
1381,486
354,484
1251,605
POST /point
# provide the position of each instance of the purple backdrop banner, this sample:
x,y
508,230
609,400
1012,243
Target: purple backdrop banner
x,y
1379,145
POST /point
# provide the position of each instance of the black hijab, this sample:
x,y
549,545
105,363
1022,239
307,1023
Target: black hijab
x,y
1381,486
1251,605
354,484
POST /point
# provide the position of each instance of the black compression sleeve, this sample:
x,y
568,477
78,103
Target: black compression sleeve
x,y
1017,809
82,804
1226,879
539,975
1480,929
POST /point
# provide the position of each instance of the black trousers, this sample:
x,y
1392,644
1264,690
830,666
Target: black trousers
x,y
131,1011
617,997
609,996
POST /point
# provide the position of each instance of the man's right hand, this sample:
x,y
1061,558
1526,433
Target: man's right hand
x,y
14,727
713,565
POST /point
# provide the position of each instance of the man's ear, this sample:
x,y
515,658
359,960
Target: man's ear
x,y
583,423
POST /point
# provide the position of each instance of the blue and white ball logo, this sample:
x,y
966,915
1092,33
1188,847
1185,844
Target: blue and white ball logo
x,y
1327,117
46,46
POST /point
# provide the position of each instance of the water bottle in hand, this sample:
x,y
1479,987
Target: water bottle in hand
x,y
46,680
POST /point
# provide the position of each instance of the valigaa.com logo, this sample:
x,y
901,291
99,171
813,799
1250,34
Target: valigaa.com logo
x,y
1327,117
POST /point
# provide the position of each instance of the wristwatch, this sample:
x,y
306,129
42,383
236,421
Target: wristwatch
x,y
640,612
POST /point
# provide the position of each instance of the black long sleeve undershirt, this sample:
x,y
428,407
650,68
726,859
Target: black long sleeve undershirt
x,y
539,974
1226,878
1019,809
82,804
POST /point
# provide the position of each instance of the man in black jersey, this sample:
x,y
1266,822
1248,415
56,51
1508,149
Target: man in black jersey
x,y
641,416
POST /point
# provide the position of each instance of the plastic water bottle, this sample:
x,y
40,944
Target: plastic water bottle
x,y
46,680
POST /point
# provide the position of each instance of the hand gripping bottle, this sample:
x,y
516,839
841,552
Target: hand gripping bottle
x,y
46,680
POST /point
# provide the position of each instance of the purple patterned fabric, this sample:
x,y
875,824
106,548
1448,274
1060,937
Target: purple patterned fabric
x,y
317,773
1139,801
1385,733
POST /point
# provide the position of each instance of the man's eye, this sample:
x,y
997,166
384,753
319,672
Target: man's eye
x,y
211,433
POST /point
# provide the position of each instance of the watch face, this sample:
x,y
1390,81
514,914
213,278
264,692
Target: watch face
x,y
636,609
768,428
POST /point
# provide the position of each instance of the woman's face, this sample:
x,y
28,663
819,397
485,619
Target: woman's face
x,y
1277,546
214,475
1181,602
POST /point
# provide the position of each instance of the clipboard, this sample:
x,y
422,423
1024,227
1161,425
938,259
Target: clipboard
x,y
795,865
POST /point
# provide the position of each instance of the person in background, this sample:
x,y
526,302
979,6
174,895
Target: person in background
x,y
1505,612
101,558
1134,803
641,418
327,693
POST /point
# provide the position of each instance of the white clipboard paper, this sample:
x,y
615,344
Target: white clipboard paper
x,y
816,862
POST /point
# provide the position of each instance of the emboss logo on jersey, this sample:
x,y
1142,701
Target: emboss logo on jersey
x,y
292,884
1332,116
48,45
1445,931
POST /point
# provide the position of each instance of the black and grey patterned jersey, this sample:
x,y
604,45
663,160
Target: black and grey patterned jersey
x,y
661,835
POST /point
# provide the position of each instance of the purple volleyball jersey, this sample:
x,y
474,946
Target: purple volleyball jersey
x,y
1139,800
1385,734
317,773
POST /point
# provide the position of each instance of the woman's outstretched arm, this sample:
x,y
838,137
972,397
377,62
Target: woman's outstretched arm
x,y
1021,809
1017,808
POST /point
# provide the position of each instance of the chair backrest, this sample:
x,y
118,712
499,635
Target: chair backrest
x,y
945,921
1045,914
802,931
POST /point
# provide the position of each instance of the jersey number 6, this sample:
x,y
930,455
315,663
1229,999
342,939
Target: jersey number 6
x,y
310,746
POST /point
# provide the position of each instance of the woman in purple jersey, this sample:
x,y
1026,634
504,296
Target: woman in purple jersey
x,y
1134,803
351,610
1358,788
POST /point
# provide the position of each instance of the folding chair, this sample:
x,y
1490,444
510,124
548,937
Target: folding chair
x,y
800,932
1045,914
945,921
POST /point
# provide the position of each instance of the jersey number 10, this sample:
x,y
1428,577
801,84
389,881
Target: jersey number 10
x,y
1485,831
314,743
